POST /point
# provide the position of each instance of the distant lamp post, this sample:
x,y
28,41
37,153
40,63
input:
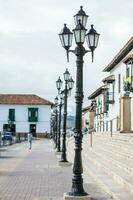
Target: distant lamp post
x,y
92,38
56,119
68,87
59,84
59,124
53,127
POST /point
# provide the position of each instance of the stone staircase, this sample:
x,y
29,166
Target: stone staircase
x,y
109,161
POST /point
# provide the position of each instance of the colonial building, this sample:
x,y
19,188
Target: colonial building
x,y
100,120
85,117
88,115
23,113
113,104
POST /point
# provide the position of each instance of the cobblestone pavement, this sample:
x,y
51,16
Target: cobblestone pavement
x,y
35,174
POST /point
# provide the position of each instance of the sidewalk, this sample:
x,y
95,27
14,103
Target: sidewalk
x,y
35,175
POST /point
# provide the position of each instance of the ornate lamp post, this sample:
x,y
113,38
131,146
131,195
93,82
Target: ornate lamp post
x,y
92,38
53,123
56,119
68,86
59,85
59,124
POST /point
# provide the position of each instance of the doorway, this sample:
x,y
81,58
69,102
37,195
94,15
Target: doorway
x,y
33,129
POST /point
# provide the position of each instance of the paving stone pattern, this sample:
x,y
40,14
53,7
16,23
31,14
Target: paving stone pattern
x,y
35,174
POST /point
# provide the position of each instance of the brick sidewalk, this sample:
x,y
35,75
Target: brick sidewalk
x,y
35,174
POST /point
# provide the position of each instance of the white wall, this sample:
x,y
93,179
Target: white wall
x,y
21,117
114,108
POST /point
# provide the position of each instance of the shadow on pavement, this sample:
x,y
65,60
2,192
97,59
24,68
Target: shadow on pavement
x,y
7,157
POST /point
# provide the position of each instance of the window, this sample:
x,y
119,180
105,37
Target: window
x,y
11,115
119,83
33,114
129,74
127,71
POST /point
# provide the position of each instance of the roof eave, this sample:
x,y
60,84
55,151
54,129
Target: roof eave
x,y
96,93
122,53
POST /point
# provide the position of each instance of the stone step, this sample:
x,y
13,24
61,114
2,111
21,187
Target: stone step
x,y
115,154
126,140
115,141
115,172
123,160
117,191
119,160
120,139
121,147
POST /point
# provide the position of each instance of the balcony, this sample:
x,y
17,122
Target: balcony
x,y
110,98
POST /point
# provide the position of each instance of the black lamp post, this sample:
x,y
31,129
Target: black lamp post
x,y
68,86
53,123
56,119
92,38
59,124
59,85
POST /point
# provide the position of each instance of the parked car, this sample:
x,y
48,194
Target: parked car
x,y
6,136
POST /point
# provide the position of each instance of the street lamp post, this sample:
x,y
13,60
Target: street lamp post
x,y
52,124
53,127
59,124
59,85
56,120
92,38
68,86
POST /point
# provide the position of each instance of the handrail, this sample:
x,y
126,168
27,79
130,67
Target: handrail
x,y
111,124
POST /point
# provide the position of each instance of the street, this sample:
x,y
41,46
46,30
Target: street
x,y
26,174
35,174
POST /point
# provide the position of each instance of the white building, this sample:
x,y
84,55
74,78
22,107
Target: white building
x,y
101,111
88,114
85,117
108,97
23,113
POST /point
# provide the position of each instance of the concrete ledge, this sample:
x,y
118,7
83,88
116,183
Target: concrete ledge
x,y
64,163
68,197
122,131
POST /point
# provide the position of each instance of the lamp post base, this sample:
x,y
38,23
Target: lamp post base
x,y
64,163
69,197
58,152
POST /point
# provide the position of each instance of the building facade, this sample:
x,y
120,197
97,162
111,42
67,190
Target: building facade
x,y
24,113
118,84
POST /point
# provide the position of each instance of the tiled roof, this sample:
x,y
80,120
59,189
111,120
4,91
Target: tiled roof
x,y
121,54
23,99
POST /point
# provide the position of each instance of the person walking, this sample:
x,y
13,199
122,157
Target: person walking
x,y
30,140
85,130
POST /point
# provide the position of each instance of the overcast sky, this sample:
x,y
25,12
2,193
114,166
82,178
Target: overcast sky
x,y
31,56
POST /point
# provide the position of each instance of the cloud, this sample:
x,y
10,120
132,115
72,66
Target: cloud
x,y
31,56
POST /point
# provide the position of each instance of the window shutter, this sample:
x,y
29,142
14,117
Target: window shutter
x,y
12,114
33,114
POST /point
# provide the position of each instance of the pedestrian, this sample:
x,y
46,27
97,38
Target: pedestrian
x,y
85,130
30,140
